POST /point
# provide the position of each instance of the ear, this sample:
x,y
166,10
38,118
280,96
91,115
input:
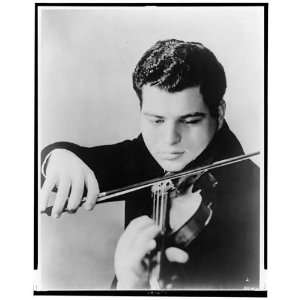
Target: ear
x,y
221,113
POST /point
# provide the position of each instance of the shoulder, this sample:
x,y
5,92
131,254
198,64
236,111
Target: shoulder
x,y
239,194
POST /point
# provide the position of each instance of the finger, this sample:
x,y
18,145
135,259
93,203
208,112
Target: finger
x,y
76,193
145,245
144,241
140,223
146,234
92,190
133,231
61,197
176,255
48,185
135,227
152,244
146,257
141,253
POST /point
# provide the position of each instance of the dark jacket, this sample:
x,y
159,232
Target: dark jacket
x,y
226,252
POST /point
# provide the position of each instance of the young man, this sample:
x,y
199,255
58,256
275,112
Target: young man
x,y
180,86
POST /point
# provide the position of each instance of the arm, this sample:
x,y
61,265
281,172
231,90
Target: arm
x,y
71,167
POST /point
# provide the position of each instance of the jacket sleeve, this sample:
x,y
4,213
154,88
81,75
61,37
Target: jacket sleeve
x,y
110,163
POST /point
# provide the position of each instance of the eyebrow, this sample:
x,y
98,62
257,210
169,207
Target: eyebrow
x,y
191,115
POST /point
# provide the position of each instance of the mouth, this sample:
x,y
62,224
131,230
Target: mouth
x,y
171,155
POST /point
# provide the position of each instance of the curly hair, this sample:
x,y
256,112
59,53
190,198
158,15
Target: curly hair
x,y
175,65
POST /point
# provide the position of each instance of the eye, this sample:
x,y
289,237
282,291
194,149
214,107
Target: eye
x,y
156,121
191,121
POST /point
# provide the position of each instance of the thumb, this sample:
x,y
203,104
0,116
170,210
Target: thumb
x,y
176,255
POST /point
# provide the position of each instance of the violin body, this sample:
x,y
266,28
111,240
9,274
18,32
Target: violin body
x,y
194,194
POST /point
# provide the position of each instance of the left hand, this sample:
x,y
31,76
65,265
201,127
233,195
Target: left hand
x,y
135,243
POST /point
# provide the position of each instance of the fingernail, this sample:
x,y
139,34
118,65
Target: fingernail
x,y
152,244
55,215
88,206
70,208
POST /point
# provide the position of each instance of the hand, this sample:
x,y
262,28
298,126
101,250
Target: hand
x,y
136,241
130,257
67,171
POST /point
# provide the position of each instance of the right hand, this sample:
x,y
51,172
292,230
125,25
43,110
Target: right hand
x,y
67,171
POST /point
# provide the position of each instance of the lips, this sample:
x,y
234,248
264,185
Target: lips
x,y
171,155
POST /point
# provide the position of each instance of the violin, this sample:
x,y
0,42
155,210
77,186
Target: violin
x,y
164,189
163,193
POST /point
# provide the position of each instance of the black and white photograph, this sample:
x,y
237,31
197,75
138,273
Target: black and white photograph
x,y
151,149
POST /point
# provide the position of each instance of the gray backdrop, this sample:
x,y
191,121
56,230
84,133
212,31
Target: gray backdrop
x,y
86,58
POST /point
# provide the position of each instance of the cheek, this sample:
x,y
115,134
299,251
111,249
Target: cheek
x,y
150,135
199,137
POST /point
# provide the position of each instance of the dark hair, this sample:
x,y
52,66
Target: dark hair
x,y
175,65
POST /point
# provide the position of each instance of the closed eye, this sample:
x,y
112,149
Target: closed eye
x,y
156,120
191,121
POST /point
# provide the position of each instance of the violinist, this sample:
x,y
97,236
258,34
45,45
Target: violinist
x,y
180,87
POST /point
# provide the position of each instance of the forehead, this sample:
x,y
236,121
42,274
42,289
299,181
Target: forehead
x,y
160,102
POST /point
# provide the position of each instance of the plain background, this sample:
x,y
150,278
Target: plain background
x,y
17,124
86,58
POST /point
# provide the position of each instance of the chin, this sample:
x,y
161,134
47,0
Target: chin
x,y
172,166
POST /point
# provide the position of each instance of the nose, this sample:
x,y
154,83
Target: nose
x,y
172,133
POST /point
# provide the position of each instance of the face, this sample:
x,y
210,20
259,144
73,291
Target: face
x,y
176,127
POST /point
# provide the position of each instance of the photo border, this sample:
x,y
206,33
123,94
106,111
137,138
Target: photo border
x,y
199,293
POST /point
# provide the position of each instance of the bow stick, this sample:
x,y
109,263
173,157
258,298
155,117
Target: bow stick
x,y
109,196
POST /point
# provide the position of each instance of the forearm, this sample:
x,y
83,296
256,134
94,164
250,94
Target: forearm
x,y
104,161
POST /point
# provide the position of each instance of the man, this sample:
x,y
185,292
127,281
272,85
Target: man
x,y
180,86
